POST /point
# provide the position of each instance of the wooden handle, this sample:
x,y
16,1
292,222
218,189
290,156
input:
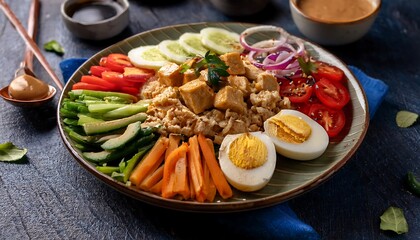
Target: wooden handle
x,y
29,42
32,30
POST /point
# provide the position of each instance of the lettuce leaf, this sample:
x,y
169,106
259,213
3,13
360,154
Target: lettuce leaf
x,y
10,153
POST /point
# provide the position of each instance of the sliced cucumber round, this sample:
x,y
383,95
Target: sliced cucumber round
x,y
220,40
191,42
147,57
173,51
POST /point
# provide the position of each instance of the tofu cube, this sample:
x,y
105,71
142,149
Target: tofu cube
x,y
241,83
266,81
170,75
234,62
189,75
230,98
251,71
197,95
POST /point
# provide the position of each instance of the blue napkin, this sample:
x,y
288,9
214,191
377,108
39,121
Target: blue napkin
x,y
279,221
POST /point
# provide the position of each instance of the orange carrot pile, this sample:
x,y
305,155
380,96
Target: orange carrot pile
x,y
187,170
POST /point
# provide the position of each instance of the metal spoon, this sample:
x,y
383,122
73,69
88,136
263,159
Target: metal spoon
x,y
26,64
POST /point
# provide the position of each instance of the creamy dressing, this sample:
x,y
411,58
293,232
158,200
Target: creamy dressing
x,y
26,87
336,10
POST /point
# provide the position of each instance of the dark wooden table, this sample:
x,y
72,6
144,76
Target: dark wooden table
x,y
51,197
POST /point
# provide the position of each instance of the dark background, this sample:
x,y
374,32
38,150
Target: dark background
x,y
49,196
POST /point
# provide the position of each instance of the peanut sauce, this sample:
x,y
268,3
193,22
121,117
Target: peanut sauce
x,y
26,87
336,10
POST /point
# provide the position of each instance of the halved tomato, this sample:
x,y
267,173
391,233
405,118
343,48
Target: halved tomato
x,y
330,72
298,90
332,120
331,93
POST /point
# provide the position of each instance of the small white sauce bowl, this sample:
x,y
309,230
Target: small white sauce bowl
x,y
96,30
333,32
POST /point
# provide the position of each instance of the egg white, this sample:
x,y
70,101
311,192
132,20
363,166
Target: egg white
x,y
313,147
247,180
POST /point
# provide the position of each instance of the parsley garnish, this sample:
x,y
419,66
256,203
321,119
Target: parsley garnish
x,y
216,68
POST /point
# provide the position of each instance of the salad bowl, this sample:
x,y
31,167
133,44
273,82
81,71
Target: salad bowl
x,y
290,179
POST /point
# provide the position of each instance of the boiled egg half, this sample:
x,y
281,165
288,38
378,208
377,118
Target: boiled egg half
x,y
247,160
296,136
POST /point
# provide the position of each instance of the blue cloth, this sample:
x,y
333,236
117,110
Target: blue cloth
x,y
277,222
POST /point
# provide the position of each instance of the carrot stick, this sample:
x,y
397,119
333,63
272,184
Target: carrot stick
x,y
157,188
195,169
174,140
153,178
169,170
216,173
144,168
211,188
181,185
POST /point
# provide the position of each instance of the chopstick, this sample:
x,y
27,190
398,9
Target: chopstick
x,y
30,42
32,30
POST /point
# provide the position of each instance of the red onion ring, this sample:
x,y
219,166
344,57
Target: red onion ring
x,y
252,30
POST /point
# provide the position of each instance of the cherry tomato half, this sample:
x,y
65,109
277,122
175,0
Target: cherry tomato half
x,y
332,94
297,90
332,120
330,72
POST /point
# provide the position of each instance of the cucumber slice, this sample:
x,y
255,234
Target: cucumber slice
x,y
191,42
173,51
102,127
130,133
220,41
147,57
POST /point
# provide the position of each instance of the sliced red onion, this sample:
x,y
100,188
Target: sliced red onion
x,y
258,48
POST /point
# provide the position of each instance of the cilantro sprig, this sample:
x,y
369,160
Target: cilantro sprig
x,y
307,65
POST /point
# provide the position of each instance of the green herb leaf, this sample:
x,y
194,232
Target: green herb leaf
x,y
308,66
216,68
184,67
413,184
405,119
54,46
10,153
393,219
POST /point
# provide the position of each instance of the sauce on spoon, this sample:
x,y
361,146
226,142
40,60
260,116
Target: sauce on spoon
x,y
26,87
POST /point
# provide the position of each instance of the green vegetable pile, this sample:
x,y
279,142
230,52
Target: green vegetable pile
x,y
106,128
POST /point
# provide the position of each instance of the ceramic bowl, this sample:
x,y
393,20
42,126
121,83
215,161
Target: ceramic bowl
x,y
239,7
327,32
106,18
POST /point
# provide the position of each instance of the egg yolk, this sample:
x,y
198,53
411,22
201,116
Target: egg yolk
x,y
247,152
290,128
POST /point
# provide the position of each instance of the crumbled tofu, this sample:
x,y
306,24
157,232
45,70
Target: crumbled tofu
x,y
240,83
170,75
197,95
266,81
230,98
234,62
251,71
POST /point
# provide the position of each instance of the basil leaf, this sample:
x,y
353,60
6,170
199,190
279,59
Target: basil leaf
x,y
405,119
393,219
10,153
54,46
